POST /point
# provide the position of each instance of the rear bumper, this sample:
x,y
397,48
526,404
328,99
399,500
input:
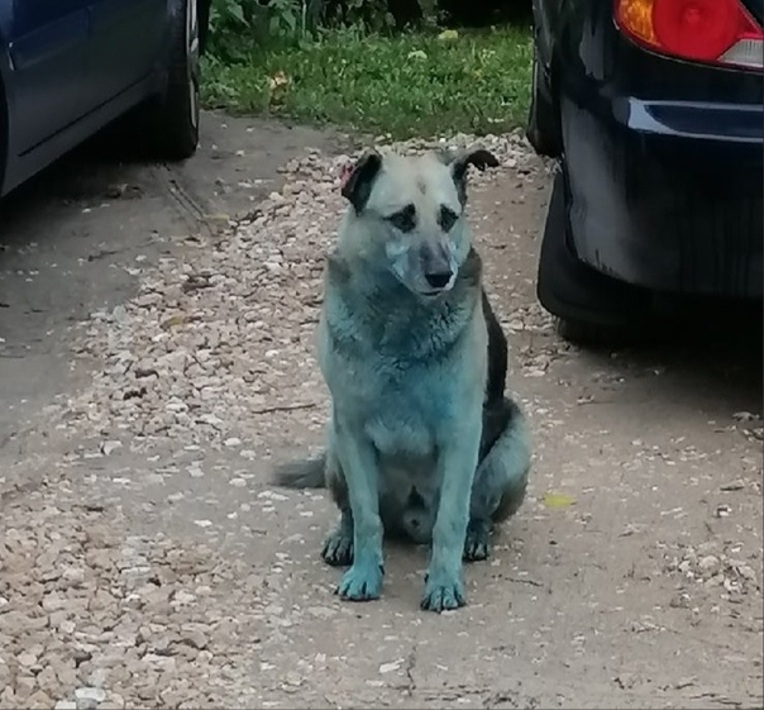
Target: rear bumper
x,y
667,196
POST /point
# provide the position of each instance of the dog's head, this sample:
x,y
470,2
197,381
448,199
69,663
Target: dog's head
x,y
408,214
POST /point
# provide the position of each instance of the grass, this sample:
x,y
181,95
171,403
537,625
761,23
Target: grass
x,y
408,85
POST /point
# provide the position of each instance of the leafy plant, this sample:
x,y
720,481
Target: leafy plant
x,y
233,21
409,84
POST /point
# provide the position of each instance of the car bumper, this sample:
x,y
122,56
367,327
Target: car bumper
x,y
660,196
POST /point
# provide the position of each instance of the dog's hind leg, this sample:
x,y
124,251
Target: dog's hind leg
x,y
338,546
324,471
498,488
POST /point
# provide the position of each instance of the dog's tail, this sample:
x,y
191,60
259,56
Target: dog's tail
x,y
302,474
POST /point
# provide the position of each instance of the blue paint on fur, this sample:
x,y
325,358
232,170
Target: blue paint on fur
x,y
422,440
364,579
443,591
403,398
338,546
362,582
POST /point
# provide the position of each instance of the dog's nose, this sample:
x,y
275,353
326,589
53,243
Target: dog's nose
x,y
438,279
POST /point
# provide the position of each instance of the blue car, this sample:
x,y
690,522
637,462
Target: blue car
x,y
654,110
70,67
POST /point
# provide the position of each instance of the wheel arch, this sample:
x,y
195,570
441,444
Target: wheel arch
x,y
5,115
203,8
554,94
547,55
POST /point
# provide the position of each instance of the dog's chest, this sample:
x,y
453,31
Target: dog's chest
x,y
398,369
400,401
402,418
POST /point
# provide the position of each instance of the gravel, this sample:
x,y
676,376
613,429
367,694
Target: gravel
x,y
94,617
90,618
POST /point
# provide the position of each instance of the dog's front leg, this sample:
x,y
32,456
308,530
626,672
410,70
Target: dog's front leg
x,y
457,461
358,458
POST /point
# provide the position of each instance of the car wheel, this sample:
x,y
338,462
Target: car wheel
x,y
175,130
588,334
3,135
541,129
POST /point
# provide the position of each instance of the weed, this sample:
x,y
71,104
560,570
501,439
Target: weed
x,y
408,84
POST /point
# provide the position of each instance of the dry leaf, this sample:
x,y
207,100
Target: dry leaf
x,y
278,84
558,500
173,321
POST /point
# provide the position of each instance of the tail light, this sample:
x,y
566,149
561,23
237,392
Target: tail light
x,y
713,31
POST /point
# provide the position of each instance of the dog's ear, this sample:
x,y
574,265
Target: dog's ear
x,y
357,187
479,157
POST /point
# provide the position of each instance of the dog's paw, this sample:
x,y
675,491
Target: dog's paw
x,y
477,544
441,594
338,549
361,582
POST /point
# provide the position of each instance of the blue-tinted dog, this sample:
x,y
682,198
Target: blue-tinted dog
x,y
422,440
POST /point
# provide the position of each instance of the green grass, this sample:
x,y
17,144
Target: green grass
x,y
409,85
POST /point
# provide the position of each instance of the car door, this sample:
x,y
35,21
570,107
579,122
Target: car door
x,y
47,46
126,41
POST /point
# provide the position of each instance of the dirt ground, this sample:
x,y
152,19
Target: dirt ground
x,y
156,344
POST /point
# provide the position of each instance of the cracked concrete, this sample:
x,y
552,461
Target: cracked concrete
x,y
158,568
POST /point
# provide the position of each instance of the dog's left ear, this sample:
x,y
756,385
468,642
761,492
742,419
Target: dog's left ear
x,y
479,157
357,187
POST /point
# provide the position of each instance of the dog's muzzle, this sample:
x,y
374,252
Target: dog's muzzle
x,y
437,268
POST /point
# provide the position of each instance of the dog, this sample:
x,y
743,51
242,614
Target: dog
x,y
422,442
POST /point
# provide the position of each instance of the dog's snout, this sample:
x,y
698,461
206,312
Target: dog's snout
x,y
437,270
438,279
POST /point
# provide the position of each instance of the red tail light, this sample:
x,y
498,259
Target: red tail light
x,y
718,31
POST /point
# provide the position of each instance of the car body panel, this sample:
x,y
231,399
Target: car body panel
x,y
116,59
663,158
756,8
21,168
545,19
70,67
47,51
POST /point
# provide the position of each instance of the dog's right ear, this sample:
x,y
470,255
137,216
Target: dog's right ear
x,y
357,187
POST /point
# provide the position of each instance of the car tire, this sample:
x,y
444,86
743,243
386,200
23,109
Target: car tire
x,y
3,135
174,129
592,335
541,130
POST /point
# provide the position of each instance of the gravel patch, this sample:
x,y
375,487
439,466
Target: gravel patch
x,y
91,618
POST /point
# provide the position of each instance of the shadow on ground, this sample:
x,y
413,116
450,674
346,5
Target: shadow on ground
x,y
713,350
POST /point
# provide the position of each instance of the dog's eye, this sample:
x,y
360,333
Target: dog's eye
x,y
447,218
404,220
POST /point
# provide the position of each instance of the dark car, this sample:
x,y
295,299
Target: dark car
x,y
70,67
654,110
